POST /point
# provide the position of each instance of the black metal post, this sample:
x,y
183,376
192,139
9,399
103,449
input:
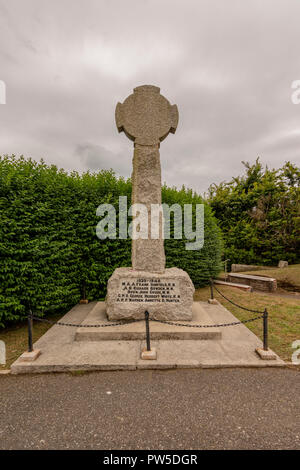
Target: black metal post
x,y
265,333
211,289
29,321
225,268
83,290
147,331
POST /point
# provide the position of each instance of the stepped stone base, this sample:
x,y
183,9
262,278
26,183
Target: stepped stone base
x,y
137,331
166,296
60,352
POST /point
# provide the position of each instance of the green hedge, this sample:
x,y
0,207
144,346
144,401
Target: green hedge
x,y
48,245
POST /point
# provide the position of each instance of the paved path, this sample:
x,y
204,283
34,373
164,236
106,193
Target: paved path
x,y
192,409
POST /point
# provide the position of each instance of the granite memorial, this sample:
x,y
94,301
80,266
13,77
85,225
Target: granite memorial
x,y
147,117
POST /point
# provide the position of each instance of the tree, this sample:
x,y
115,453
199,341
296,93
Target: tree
x,y
259,214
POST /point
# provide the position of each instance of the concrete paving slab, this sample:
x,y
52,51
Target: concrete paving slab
x,y
136,331
61,352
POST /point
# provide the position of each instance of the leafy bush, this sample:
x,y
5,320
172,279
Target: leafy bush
x,y
259,214
48,244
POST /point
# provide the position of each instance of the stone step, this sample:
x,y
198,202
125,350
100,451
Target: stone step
x,y
233,284
136,331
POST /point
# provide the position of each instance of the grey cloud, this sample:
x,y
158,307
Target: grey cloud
x,y
96,157
227,65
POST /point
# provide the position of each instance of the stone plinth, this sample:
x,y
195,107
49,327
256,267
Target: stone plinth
x,y
266,355
166,296
149,355
30,356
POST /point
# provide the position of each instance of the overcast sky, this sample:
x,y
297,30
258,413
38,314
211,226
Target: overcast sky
x,y
228,65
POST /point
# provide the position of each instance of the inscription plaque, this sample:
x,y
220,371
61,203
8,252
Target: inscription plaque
x,y
148,290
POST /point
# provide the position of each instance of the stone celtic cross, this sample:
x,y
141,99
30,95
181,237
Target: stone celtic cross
x,y
147,117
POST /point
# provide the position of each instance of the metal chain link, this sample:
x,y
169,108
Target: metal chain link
x,y
237,305
85,326
162,321
207,326
142,319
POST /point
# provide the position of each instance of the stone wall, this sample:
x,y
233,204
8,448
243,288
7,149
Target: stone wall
x,y
267,284
239,268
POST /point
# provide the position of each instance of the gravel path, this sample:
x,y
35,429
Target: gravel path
x,y
180,409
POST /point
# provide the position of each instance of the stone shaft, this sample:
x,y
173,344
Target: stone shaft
x,y
148,254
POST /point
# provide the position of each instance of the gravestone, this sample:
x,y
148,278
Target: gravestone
x,y
283,264
147,117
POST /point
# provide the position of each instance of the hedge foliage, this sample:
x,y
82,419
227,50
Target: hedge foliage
x,y
259,214
48,243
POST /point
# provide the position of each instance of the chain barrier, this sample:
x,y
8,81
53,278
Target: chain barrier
x,y
264,314
167,322
233,303
207,326
101,325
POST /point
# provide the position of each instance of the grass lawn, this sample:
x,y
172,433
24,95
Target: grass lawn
x,y
284,315
284,321
287,278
